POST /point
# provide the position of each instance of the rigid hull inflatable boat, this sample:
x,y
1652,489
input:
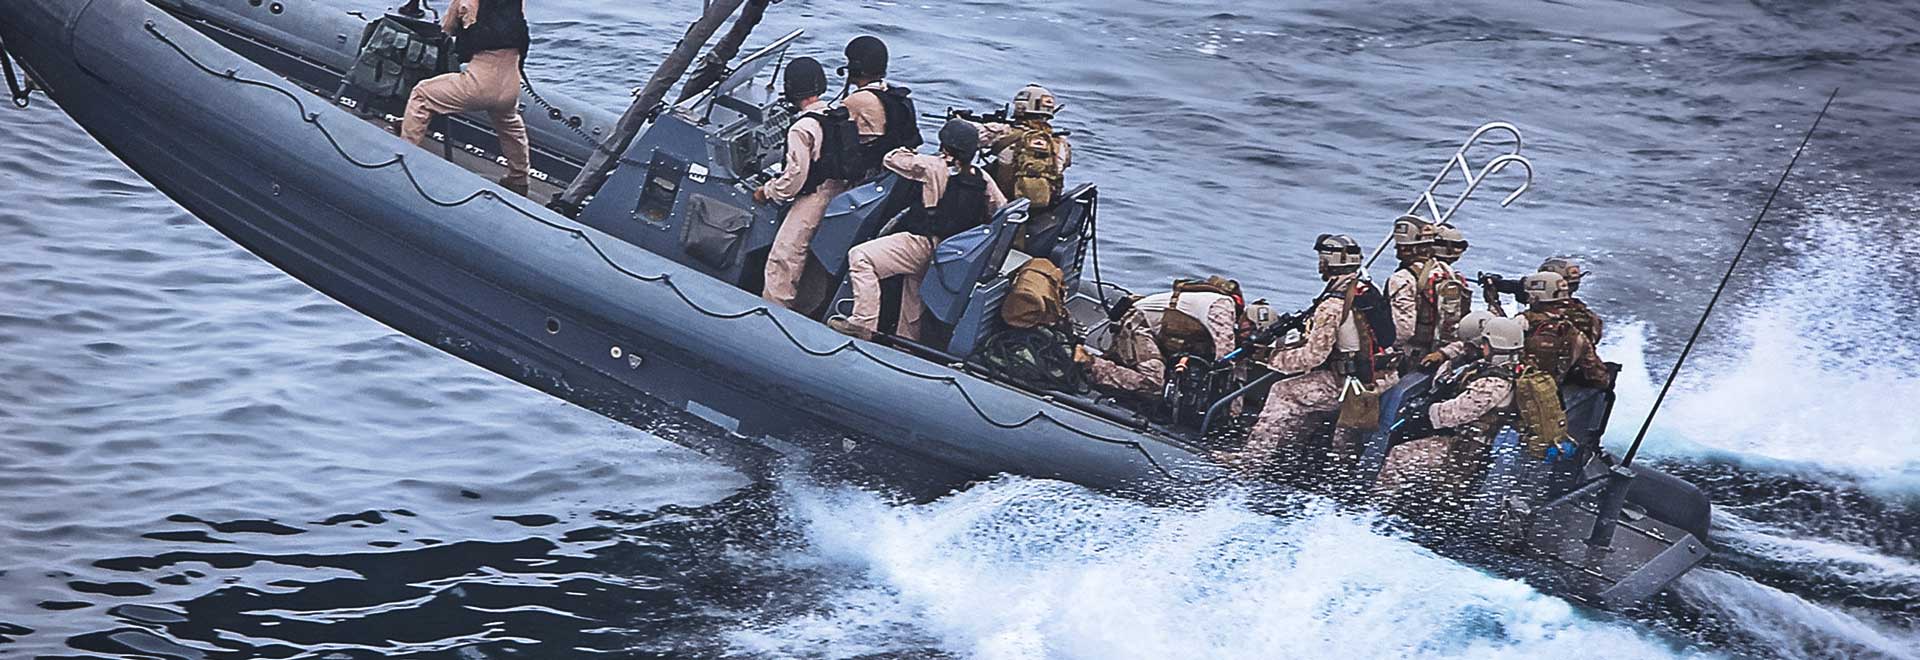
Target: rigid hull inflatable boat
x,y
239,113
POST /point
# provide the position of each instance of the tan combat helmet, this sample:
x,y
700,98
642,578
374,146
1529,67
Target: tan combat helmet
x,y
1506,335
1339,253
1035,100
1261,315
1545,286
1473,326
1567,269
1449,244
1410,230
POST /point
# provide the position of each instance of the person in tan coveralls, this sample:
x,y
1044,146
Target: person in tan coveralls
x,y
1334,336
1440,461
801,182
955,196
1136,365
491,38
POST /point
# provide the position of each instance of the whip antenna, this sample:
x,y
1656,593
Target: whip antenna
x,y
1702,324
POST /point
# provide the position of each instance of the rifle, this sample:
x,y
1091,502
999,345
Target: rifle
x,y
1494,284
1286,322
996,117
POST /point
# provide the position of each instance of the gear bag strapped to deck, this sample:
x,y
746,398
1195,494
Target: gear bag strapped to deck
x,y
1040,358
1037,296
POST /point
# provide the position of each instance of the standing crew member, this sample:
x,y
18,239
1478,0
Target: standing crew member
x,y
1199,322
1030,159
955,196
1413,245
490,36
1449,244
1554,342
884,113
808,179
1339,343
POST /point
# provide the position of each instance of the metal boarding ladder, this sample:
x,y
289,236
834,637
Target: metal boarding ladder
x,y
1427,206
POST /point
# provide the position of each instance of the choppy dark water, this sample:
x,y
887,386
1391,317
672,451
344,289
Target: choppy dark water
x,y
200,457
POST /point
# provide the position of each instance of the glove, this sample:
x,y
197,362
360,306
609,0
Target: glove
x,y
759,196
1433,359
1412,425
1561,451
1082,357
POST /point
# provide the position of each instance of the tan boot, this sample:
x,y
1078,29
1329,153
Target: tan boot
x,y
518,188
841,325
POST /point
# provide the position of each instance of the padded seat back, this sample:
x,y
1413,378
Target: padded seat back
x,y
970,258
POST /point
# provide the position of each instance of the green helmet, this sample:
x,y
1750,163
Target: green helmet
x,y
1545,286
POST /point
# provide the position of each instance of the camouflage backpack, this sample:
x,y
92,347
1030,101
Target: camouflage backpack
x,y
1034,173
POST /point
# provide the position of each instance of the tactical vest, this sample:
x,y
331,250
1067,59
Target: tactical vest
x,y
1549,345
1030,169
1460,380
1358,338
840,150
963,206
1425,320
1583,318
902,130
1183,332
500,25
1443,300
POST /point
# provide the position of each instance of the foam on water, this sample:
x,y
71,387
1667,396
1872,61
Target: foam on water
x,y
1020,568
1820,372
1787,625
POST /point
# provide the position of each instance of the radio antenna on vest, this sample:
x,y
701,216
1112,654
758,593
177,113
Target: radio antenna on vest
x,y
1711,302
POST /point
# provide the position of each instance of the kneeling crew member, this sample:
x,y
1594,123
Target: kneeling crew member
x,y
490,37
1477,405
1339,344
955,196
1137,364
803,181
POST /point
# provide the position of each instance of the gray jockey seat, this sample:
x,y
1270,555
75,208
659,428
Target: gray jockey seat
x,y
966,265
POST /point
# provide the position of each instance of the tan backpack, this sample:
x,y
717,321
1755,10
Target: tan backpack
x,y
1037,297
1536,395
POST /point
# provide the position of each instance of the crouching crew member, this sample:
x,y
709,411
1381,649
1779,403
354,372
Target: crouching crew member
x,y
808,179
1452,435
955,196
490,36
1180,321
1344,333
